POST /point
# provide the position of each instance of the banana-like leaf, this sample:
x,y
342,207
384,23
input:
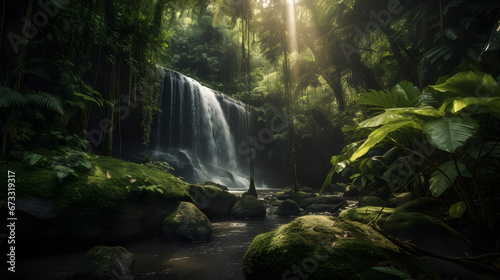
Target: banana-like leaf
x,y
427,111
384,118
489,104
448,134
457,209
378,135
468,84
439,182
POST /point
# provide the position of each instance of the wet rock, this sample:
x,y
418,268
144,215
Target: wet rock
x,y
284,194
213,201
186,223
105,263
425,205
307,190
300,196
332,189
288,208
248,207
318,207
400,199
325,247
370,201
216,185
426,232
322,199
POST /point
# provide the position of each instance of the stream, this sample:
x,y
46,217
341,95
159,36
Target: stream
x,y
218,258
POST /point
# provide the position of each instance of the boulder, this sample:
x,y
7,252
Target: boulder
x,y
400,199
370,201
307,190
284,194
425,205
216,185
330,208
322,199
427,233
325,247
104,263
248,207
288,208
186,223
214,201
332,189
300,196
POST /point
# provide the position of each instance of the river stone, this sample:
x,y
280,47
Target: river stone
x,y
400,199
104,263
324,248
288,208
284,194
215,202
300,196
370,201
186,223
248,207
216,185
332,189
426,232
322,199
307,190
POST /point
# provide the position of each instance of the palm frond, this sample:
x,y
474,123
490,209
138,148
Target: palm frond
x,y
46,100
10,97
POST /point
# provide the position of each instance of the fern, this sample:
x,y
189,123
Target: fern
x,y
46,100
10,98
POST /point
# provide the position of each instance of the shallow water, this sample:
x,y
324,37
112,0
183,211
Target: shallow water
x,y
218,258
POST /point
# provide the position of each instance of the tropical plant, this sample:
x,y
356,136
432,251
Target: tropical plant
x,y
462,128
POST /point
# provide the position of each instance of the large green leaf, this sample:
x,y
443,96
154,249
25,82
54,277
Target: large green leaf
x,y
467,84
442,179
46,100
457,209
378,135
384,118
489,104
411,93
404,94
448,134
427,111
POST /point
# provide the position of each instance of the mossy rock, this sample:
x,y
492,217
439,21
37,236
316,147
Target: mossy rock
x,y
288,208
186,223
332,189
324,247
213,201
102,205
216,185
399,199
248,207
300,196
307,190
321,199
285,194
426,232
104,263
370,201
425,205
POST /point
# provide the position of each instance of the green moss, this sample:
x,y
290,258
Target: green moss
x,y
30,181
324,247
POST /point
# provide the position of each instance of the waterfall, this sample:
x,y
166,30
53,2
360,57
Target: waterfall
x,y
198,131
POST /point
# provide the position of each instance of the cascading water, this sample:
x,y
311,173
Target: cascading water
x,y
198,131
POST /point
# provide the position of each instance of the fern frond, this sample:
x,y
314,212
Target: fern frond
x,y
10,98
46,100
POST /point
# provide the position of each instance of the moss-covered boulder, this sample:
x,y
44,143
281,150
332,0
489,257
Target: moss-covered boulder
x,y
425,205
332,189
104,263
370,201
323,247
285,194
288,208
300,196
112,200
426,232
322,199
186,223
248,207
400,199
214,201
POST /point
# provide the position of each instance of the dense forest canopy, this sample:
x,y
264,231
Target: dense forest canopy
x,y
365,66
